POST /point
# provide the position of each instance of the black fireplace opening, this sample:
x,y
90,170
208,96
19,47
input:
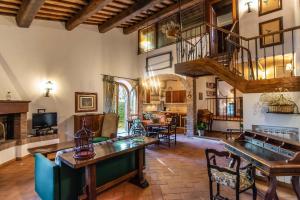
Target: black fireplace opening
x,y
8,122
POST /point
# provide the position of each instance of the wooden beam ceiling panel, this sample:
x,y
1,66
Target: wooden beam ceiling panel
x,y
135,9
9,5
166,12
51,12
112,8
51,17
102,16
7,11
107,13
89,10
118,5
27,12
59,8
63,4
129,2
11,1
81,2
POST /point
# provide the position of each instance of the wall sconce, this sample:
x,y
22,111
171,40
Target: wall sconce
x,y
248,3
48,88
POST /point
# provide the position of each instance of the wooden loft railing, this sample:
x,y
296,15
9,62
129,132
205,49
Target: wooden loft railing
x,y
252,58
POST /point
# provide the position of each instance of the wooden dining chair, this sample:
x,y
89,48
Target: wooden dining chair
x,y
169,133
238,178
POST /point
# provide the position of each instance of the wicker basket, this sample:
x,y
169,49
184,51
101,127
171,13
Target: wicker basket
x,y
281,108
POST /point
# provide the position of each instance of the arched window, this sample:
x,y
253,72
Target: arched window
x,y
133,102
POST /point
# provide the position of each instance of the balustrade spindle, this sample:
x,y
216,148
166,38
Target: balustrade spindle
x,y
256,57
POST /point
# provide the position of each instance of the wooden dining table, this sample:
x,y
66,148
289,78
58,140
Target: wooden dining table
x,y
107,151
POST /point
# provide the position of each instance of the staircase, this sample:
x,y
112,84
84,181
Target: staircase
x,y
244,64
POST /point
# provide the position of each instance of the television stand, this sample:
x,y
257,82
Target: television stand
x,y
46,131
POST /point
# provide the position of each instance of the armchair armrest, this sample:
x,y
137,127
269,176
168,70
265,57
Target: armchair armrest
x,y
46,178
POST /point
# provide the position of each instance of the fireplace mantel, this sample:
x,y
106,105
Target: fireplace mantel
x,y
13,106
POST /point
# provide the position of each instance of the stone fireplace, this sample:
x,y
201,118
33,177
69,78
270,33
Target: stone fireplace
x,y
13,120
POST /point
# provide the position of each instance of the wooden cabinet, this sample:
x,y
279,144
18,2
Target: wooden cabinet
x,y
94,122
182,96
177,96
168,96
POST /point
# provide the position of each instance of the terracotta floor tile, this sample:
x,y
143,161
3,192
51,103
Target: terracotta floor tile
x,y
173,174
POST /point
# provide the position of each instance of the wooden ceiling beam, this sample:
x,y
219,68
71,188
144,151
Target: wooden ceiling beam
x,y
132,11
89,10
166,12
27,12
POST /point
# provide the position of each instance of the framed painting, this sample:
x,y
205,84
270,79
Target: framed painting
x,y
210,85
86,102
159,62
269,6
210,93
269,27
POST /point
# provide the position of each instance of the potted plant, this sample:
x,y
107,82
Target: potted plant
x,y
201,126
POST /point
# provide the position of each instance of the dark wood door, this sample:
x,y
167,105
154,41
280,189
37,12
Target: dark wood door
x,y
168,97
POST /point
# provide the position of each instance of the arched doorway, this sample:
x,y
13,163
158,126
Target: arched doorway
x,y
126,104
122,107
171,85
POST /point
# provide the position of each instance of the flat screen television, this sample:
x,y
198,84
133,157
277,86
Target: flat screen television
x,y
44,120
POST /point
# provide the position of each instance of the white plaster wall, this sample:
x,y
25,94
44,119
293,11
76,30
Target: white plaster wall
x,y
201,87
255,115
249,21
249,27
224,125
22,150
73,60
142,61
7,155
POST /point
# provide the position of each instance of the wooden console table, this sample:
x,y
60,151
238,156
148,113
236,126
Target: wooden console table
x,y
107,151
52,148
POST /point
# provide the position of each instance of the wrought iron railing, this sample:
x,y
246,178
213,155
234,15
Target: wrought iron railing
x,y
265,56
226,109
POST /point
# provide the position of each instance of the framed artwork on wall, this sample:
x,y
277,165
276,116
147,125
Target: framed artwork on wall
x,y
86,102
268,27
210,93
269,6
200,96
210,85
159,61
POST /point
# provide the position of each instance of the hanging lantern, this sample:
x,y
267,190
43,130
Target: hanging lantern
x,y
84,148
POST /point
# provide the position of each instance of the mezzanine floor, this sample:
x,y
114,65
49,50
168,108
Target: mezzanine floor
x,y
175,173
